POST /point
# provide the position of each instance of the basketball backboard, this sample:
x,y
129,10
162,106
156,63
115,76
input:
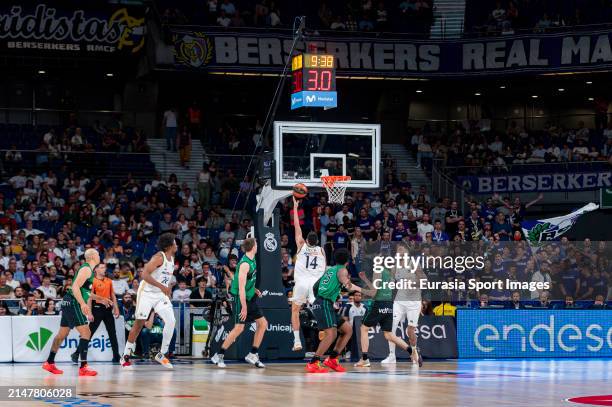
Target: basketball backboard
x,y
305,151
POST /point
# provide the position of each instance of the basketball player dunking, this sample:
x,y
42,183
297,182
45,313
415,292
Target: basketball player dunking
x,y
309,267
75,314
407,306
154,294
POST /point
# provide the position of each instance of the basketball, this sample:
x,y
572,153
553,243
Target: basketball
x,y
300,191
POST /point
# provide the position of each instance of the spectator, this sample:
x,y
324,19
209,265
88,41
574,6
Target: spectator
x,y
120,286
182,293
30,306
4,310
47,289
6,291
184,145
515,302
50,307
200,293
170,124
354,309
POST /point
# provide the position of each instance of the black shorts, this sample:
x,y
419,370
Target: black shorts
x,y
325,314
381,313
253,311
72,315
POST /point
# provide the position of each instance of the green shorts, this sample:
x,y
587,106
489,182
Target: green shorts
x,y
326,315
72,315
253,311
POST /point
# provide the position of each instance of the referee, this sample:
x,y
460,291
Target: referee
x,y
104,309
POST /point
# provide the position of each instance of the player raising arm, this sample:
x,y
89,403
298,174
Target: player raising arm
x,y
309,267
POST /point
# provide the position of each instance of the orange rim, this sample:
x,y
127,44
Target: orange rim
x,y
330,180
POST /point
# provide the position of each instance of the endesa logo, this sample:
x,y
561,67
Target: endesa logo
x,y
534,333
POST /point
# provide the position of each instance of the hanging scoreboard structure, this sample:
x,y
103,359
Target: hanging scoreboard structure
x,y
313,81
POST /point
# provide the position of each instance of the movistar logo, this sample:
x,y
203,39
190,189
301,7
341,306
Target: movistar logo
x,y
39,339
311,98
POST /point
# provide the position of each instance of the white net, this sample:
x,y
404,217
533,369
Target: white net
x,y
336,187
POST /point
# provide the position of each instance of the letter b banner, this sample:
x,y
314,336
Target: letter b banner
x,y
534,333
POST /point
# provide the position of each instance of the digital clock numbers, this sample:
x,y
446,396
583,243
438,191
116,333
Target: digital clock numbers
x,y
313,81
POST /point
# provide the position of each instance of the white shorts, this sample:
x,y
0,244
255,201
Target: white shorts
x,y
146,301
410,310
303,290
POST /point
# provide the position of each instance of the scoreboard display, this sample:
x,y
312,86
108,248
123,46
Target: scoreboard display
x,y
313,81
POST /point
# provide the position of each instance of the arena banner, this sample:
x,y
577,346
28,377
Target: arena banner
x,y
33,335
534,333
437,338
56,27
276,344
556,182
249,51
6,345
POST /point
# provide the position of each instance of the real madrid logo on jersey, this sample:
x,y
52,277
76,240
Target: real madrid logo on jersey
x,y
270,244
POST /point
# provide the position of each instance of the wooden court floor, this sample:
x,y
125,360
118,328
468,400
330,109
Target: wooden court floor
x,y
492,383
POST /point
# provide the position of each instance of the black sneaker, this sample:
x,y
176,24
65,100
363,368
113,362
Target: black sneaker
x,y
75,358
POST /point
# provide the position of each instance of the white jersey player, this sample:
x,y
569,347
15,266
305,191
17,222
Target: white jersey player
x,y
154,295
310,265
406,306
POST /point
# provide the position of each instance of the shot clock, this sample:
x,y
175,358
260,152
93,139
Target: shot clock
x,y
313,81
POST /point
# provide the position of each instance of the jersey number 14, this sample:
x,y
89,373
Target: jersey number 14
x,y
311,263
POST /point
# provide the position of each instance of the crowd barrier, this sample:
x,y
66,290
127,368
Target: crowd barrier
x,y
480,333
437,338
489,333
29,339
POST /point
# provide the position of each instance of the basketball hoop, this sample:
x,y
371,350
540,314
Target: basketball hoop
x,y
336,187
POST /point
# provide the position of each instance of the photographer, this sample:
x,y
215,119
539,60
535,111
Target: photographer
x,y
200,293
211,280
186,274
229,270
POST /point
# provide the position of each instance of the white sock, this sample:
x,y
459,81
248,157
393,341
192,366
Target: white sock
x,y
130,347
296,336
167,334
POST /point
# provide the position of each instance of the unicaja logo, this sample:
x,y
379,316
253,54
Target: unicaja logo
x,y
279,328
270,244
39,339
265,293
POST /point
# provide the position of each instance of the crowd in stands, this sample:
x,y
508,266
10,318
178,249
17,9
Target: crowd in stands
x,y
414,16
49,217
504,17
493,151
491,228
